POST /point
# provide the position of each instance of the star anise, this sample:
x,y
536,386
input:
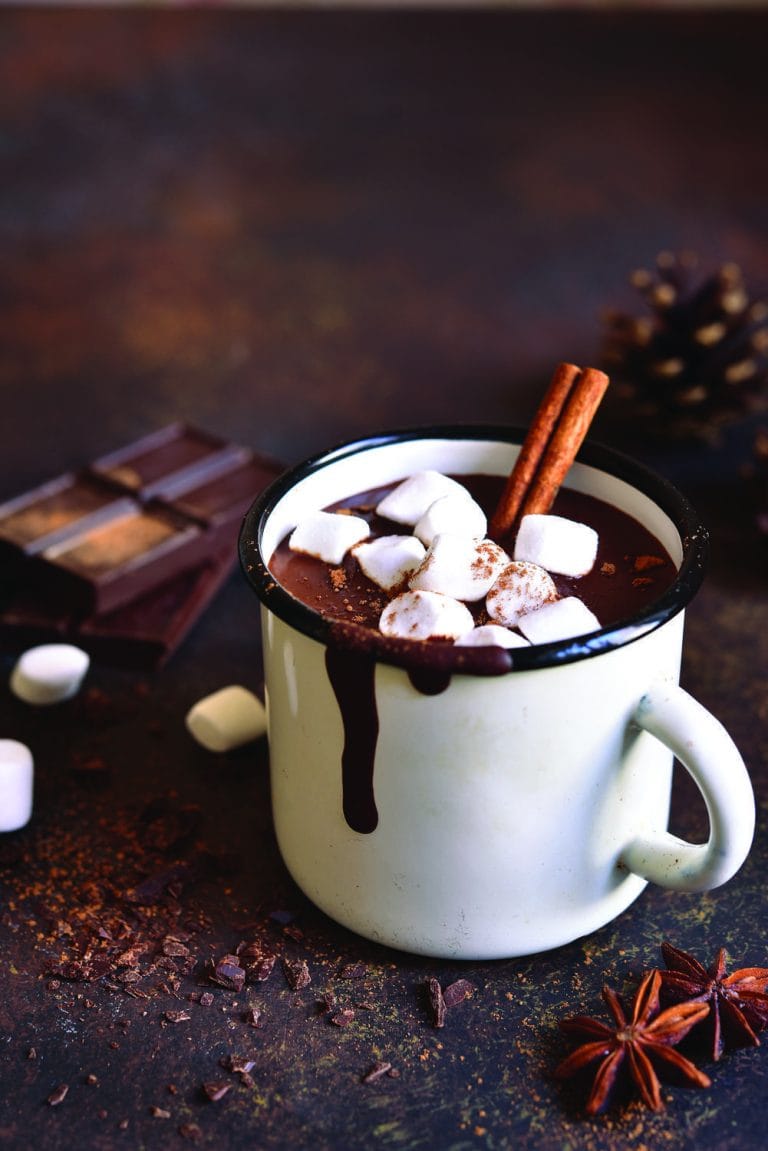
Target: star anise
x,y
642,1044
739,1004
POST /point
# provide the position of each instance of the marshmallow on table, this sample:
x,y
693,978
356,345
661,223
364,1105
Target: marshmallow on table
x,y
49,673
457,513
557,544
520,588
458,566
564,619
389,560
227,719
328,535
408,502
16,780
425,615
492,635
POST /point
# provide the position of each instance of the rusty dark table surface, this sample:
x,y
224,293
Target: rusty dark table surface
x,y
292,228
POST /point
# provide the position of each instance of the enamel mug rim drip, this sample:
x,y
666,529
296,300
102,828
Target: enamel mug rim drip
x,y
483,802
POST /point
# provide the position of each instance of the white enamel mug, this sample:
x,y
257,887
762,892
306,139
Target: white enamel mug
x,y
490,803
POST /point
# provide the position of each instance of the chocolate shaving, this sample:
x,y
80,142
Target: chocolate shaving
x,y
457,992
377,1071
216,1091
58,1095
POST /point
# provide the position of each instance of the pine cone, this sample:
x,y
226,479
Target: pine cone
x,y
700,358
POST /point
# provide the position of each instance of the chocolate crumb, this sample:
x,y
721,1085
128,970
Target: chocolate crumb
x,y
190,1131
377,1071
343,1018
177,1016
92,1080
353,971
237,1064
58,1095
608,569
297,973
643,563
159,1113
252,1016
338,578
32,1054
216,1090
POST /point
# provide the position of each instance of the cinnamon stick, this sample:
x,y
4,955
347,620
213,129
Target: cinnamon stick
x,y
549,449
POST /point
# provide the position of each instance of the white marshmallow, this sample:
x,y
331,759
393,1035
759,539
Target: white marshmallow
x,y
425,615
456,513
565,619
492,635
16,781
458,566
389,560
49,673
407,503
557,544
227,719
328,535
520,588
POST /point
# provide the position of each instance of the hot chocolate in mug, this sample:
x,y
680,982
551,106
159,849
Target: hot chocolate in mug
x,y
478,803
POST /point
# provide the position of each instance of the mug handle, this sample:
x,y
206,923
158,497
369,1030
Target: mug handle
x,y
711,758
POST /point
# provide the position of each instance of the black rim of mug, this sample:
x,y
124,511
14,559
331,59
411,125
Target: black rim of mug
x,y
478,661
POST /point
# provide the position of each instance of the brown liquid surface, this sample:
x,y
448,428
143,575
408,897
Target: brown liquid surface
x,y
632,568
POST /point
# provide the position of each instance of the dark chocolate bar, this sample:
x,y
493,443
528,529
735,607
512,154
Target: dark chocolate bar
x,y
126,575
132,519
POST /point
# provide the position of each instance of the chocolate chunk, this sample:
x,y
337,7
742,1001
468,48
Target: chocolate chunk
x,y
297,973
436,1002
228,973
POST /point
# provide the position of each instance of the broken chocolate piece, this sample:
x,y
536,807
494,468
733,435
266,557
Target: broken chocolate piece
x,y
297,973
436,1002
122,557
